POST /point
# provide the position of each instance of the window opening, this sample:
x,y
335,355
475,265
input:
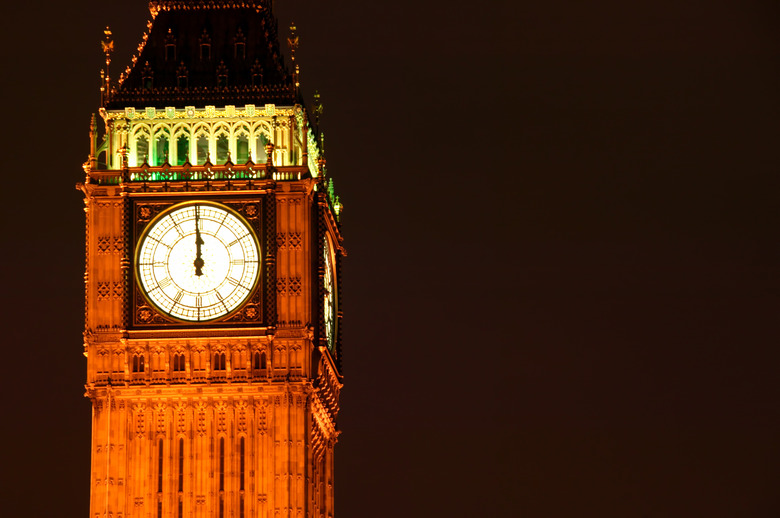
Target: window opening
x,y
260,153
181,76
205,45
223,149
203,149
147,76
141,149
240,45
161,150
182,150
170,46
222,75
257,73
178,362
242,149
219,361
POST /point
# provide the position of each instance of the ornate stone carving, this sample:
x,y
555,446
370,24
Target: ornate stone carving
x,y
181,417
159,409
221,409
288,286
261,418
241,407
200,417
140,419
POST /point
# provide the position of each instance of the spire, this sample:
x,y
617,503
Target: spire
x,y
206,52
108,47
293,42
318,108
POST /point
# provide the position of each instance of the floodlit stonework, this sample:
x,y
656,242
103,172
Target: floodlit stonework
x,y
232,416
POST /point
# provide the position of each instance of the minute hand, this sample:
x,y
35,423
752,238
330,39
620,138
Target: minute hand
x,y
199,263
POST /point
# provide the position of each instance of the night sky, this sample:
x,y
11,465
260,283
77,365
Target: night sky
x,y
562,291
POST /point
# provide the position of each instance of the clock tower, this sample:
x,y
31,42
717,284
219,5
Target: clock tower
x,y
212,300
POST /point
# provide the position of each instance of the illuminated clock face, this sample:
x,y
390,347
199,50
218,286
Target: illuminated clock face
x,y
329,296
198,261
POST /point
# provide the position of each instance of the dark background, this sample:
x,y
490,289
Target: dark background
x,y
561,295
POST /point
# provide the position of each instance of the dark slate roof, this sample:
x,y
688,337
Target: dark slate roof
x,y
256,75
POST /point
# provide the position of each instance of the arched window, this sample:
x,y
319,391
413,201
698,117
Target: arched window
x,y
138,363
223,149
258,361
260,154
205,45
203,149
170,46
181,76
219,361
257,73
242,149
161,149
182,148
240,44
141,149
178,362
222,75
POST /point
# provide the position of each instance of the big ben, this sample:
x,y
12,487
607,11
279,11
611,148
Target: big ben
x,y
212,286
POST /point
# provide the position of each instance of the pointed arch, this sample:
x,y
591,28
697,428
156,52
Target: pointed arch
x,y
140,139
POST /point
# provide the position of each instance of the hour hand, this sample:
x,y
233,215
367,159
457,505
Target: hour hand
x,y
199,263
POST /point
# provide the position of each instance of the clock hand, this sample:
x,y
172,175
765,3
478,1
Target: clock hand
x,y
199,263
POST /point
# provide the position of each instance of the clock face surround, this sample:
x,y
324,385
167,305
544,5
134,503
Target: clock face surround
x,y
329,295
198,261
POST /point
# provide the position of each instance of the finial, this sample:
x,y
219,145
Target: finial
x,y
318,107
293,41
269,152
108,47
92,142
